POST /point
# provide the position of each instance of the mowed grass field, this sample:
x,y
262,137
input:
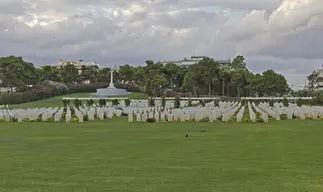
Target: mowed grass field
x,y
118,156
57,101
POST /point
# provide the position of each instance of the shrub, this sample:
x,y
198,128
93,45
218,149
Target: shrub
x,y
177,103
271,103
90,102
163,102
115,102
77,103
102,102
299,102
216,103
204,120
66,102
283,117
320,99
285,102
58,87
202,103
189,104
127,102
151,102
314,101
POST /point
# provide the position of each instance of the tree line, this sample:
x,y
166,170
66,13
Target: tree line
x,y
207,77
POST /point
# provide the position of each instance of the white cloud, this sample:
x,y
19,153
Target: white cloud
x,y
281,35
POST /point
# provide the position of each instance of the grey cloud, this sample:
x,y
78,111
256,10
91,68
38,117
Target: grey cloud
x,y
166,30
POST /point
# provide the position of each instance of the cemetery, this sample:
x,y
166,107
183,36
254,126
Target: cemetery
x,y
165,110
65,135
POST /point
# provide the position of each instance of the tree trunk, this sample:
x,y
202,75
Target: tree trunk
x,y
223,87
210,89
194,87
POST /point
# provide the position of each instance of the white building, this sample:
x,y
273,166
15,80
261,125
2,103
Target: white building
x,y
194,60
77,64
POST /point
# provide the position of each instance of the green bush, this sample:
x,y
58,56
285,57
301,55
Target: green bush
x,y
115,102
66,102
314,101
77,103
102,102
189,104
202,103
151,102
127,102
90,102
299,102
177,103
163,102
285,102
216,103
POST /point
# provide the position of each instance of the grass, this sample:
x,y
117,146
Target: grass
x,y
57,101
118,156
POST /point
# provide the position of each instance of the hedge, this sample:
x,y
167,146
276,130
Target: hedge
x,y
43,92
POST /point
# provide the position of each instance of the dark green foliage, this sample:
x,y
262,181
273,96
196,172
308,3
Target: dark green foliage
x,y
66,102
204,120
285,102
90,102
73,111
127,102
299,102
283,117
189,104
77,103
151,102
202,103
163,101
151,120
314,101
115,102
177,102
216,103
102,102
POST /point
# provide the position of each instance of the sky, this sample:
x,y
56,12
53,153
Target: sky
x,y
284,35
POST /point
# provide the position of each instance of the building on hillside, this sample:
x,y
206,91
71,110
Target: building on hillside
x,y
194,60
77,64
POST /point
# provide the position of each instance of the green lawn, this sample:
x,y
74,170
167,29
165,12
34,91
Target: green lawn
x,y
118,156
57,101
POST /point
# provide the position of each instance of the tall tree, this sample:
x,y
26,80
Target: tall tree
x,y
15,72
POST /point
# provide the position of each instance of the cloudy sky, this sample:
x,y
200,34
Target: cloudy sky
x,y
285,35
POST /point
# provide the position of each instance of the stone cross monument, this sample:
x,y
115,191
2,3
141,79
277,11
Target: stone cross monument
x,y
111,78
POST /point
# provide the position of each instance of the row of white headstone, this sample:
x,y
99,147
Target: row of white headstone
x,y
145,103
225,110
58,115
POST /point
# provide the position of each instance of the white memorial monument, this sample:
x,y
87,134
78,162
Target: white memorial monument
x,y
111,90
